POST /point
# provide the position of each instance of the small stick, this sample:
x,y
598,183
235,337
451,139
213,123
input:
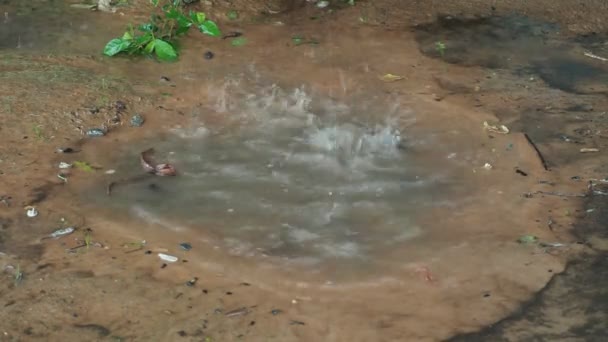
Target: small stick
x,y
560,194
589,54
540,156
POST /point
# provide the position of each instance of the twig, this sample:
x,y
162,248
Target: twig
x,y
560,194
540,156
589,54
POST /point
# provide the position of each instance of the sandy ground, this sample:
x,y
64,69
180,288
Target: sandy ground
x,y
449,282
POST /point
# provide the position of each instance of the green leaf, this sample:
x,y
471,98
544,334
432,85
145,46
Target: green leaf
x,y
297,40
164,51
183,24
154,2
150,47
116,46
240,41
127,36
527,239
84,166
172,13
147,27
197,17
143,40
210,28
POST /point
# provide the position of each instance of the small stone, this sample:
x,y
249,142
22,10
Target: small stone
x,y
322,4
137,120
120,106
165,79
95,132
65,150
191,282
275,312
185,246
31,212
209,55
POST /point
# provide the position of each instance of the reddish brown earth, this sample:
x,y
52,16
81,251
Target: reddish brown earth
x,y
465,273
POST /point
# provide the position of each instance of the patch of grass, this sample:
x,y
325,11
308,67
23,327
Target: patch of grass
x,y
38,132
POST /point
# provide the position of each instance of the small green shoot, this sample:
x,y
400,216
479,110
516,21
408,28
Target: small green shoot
x,y
299,40
38,132
88,238
440,48
158,37
84,166
232,15
18,276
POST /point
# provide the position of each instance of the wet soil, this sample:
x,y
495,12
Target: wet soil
x,y
474,277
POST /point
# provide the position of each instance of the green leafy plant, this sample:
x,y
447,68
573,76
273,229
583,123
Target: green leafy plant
x,y
440,48
159,35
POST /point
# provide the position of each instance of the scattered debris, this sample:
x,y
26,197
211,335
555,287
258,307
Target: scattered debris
x,y
167,257
487,166
275,312
209,55
322,4
192,282
165,79
527,239
120,106
6,200
589,150
95,132
391,78
185,246
110,172
158,169
540,156
64,165
292,322
31,211
237,312
520,172
500,129
551,244
59,233
137,120
232,34
63,177
426,273
65,150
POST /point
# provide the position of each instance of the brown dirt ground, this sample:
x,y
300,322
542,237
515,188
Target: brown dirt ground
x,y
111,293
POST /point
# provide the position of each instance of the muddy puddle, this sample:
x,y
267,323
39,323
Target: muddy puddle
x,y
297,180
305,181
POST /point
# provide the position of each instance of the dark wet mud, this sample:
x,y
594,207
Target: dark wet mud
x,y
574,304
